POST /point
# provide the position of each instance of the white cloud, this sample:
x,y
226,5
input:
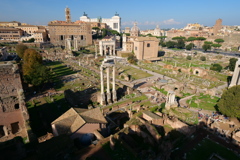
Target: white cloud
x,y
170,21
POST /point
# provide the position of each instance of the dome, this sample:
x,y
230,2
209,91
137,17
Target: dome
x,y
157,29
135,28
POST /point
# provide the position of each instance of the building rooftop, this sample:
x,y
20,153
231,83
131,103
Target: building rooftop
x,y
75,118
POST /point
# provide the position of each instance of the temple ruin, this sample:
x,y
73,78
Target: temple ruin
x,y
108,63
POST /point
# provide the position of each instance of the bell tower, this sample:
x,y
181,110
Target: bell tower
x,y
68,15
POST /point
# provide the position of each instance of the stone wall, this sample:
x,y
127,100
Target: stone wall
x,y
13,112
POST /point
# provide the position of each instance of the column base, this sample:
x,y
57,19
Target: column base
x,y
114,96
103,99
109,100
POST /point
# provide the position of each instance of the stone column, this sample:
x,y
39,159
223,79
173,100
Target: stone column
x,y
5,130
105,50
108,86
75,44
96,51
114,93
110,50
103,102
101,49
114,52
235,78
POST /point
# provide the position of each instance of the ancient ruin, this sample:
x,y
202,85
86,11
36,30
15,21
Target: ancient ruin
x,y
107,46
235,78
107,64
13,113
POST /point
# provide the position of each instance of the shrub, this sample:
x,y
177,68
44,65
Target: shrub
x,y
203,58
216,67
189,57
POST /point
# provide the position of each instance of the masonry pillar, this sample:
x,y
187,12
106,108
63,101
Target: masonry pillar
x,y
96,51
75,44
108,86
114,93
103,102
101,49
114,52
110,50
105,50
236,75
5,130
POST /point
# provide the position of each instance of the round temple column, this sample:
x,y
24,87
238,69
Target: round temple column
x,y
103,102
114,93
108,86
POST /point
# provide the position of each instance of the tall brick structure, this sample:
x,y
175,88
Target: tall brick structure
x,y
13,113
217,26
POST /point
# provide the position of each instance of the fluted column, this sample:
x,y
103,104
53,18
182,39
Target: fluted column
x,y
110,50
108,86
114,93
105,50
103,102
114,52
101,49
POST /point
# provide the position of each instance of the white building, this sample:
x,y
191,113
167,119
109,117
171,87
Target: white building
x,y
113,23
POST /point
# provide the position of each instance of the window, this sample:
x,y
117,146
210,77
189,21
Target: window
x,y
15,127
16,106
135,48
115,25
81,37
148,45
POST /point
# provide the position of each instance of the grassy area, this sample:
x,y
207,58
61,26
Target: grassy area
x,y
135,73
206,148
60,69
205,102
161,90
45,110
184,115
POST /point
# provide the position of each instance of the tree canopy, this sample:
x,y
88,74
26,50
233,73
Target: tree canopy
x,y
208,42
229,103
177,38
205,47
200,38
191,39
20,49
216,45
216,67
189,46
232,63
219,40
180,44
30,59
170,44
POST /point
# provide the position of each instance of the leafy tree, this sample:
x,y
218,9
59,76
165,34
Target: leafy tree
x,y
229,102
30,59
40,74
216,67
132,59
190,39
149,35
113,32
219,41
216,45
178,38
127,34
31,40
170,44
180,44
232,63
20,49
208,42
189,46
200,38
205,47
189,57
104,32
203,58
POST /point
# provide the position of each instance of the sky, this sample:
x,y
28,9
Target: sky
x,y
147,13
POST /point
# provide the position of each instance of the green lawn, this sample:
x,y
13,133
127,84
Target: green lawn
x,y
205,102
135,73
206,148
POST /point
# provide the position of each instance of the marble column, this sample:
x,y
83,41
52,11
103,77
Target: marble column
x,y
114,93
96,51
105,50
5,130
114,52
103,102
110,50
108,86
101,49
